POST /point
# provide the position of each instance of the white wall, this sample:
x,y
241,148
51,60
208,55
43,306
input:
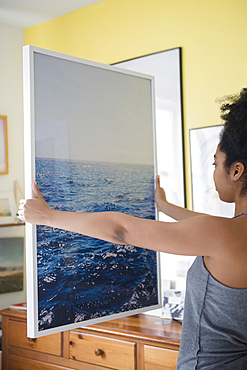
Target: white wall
x,y
11,105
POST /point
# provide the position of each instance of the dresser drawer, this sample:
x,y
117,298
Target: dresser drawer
x,y
20,363
50,344
156,358
102,351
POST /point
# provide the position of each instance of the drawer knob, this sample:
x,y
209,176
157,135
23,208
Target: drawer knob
x,y
98,352
32,340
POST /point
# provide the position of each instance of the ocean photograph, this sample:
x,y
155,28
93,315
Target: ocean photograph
x,y
11,264
94,152
81,278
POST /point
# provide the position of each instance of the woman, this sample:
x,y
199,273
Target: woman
x,y
214,334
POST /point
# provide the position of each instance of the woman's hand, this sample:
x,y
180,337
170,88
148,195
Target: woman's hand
x,y
36,210
169,209
160,195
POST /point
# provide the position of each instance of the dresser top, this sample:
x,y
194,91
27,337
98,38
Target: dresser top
x,y
140,326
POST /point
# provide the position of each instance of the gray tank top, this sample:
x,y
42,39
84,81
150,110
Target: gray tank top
x,y
214,332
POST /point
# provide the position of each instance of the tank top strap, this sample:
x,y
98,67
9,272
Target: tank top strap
x,y
244,213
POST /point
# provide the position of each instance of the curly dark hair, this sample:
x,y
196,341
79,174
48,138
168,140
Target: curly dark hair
x,y
233,138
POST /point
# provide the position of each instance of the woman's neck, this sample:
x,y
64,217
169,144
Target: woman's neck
x,y
241,205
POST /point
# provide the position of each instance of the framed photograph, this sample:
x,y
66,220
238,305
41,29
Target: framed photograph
x,y
7,207
203,145
4,169
11,259
173,304
90,145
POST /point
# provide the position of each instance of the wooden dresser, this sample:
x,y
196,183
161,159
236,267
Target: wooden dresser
x,y
139,342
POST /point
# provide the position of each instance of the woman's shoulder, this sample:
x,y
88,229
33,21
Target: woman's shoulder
x,y
230,233
213,235
222,225
227,263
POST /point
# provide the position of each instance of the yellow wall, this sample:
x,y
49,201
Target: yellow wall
x,y
212,34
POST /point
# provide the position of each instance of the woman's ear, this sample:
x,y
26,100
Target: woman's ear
x,y
237,170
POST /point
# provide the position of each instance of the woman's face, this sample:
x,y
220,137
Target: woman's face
x,y
221,178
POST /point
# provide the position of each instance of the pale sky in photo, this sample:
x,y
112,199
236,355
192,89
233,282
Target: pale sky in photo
x,y
83,112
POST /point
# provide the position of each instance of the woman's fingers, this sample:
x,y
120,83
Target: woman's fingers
x,y
157,181
22,202
36,191
20,213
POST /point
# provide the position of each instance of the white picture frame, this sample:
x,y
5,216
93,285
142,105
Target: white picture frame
x,y
7,207
123,132
203,145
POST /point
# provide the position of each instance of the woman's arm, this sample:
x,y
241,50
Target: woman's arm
x,y
193,236
171,210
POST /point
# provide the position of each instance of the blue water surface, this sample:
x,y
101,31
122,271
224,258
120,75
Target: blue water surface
x,y
81,278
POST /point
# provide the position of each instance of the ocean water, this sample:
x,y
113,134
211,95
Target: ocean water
x,y
81,278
